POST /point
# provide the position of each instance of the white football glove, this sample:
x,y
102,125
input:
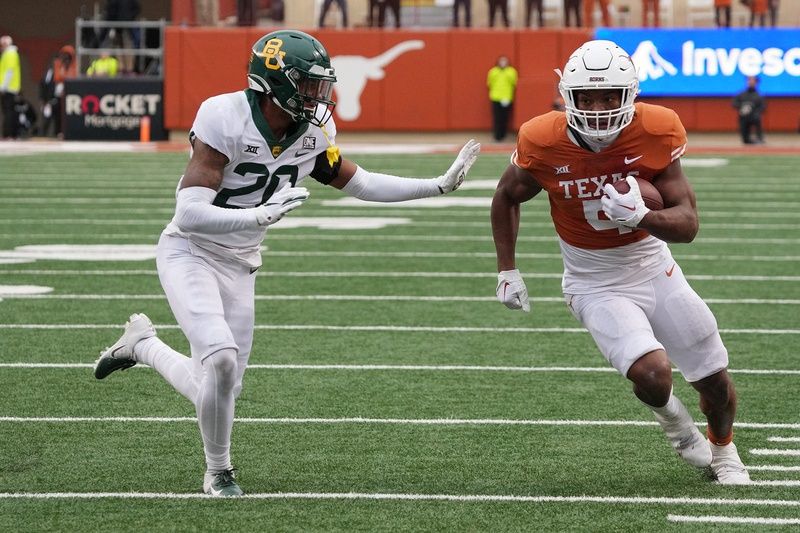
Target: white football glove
x,y
625,209
511,290
452,179
279,204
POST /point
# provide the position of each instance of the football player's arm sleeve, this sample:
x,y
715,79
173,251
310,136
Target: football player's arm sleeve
x,y
376,187
195,212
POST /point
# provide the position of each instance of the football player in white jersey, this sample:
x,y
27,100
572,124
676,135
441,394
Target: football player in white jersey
x,y
620,280
250,152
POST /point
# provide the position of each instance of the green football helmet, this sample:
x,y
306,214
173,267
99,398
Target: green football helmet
x,y
295,70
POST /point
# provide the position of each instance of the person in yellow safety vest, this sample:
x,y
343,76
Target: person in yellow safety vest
x,y
105,66
502,83
10,84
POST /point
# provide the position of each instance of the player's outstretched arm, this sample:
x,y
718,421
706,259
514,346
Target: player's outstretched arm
x,y
376,187
516,186
195,212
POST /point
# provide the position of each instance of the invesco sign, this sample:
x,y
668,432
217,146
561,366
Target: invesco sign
x,y
113,108
712,62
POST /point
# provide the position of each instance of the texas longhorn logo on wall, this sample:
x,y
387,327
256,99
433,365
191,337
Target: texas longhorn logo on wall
x,y
113,109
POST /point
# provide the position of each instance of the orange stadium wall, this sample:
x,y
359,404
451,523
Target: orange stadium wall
x,y
436,83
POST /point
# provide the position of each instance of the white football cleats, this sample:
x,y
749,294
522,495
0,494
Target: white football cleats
x,y
511,290
625,209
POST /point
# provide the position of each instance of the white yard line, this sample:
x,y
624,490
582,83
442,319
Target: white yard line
x,y
775,451
613,500
784,439
733,520
369,274
772,468
358,298
389,421
434,368
431,329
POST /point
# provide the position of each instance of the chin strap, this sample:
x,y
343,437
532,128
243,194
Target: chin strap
x,y
589,143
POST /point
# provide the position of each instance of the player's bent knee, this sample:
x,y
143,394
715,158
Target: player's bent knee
x,y
652,373
224,365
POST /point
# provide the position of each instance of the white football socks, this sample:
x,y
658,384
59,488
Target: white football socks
x,y
215,403
673,415
173,366
212,396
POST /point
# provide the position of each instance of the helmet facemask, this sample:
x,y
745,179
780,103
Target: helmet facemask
x,y
599,125
599,65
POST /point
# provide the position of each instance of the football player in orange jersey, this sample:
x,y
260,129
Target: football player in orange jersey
x,y
620,280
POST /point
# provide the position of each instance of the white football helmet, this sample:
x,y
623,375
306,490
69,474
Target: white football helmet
x,y
599,65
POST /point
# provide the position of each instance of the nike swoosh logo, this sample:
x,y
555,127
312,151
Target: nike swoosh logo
x,y
632,160
669,272
300,153
213,492
628,207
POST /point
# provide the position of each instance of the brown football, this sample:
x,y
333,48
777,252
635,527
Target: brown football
x,y
650,195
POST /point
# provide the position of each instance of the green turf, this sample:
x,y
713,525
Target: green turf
x,y
297,442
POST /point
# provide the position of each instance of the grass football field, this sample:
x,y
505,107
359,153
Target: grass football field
x,y
388,389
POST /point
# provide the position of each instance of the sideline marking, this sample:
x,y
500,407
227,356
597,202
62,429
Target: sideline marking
x,y
633,500
733,520
456,368
398,421
432,329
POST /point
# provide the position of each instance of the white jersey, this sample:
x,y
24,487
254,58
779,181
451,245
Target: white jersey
x,y
258,166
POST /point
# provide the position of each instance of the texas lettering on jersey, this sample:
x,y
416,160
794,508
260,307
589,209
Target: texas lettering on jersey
x,y
574,177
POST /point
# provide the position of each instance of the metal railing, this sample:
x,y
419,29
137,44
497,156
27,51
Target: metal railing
x,y
93,39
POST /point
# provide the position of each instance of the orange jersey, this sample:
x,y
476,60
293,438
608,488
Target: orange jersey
x,y
574,177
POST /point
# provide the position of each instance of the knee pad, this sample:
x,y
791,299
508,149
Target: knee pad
x,y
223,365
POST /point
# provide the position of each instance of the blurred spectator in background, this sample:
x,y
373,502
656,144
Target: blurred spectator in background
x,y
26,117
529,7
758,8
206,12
467,5
722,13
574,7
326,5
105,66
394,5
651,7
773,6
750,106
588,13
51,88
125,11
10,84
245,12
503,5
502,83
